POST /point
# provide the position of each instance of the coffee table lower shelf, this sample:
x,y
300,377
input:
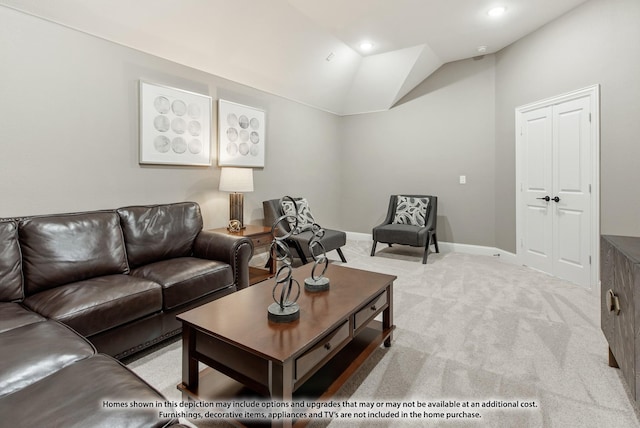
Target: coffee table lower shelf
x,y
257,274
215,386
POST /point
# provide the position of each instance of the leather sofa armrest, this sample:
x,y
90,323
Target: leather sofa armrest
x,y
234,250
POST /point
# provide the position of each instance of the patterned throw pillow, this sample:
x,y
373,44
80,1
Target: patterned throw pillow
x,y
305,218
411,211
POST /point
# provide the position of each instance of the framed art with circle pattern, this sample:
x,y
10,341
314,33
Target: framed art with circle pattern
x,y
175,126
241,135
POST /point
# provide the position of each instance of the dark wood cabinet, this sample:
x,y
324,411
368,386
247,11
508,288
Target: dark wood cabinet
x,y
620,305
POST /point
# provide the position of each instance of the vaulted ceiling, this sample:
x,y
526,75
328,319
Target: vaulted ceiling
x,y
309,50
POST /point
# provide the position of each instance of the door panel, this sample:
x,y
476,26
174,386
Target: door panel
x,y
537,131
567,143
537,153
537,238
572,143
568,225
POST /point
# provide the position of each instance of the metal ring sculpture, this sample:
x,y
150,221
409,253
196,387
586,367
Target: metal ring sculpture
x,y
284,301
234,226
319,254
285,308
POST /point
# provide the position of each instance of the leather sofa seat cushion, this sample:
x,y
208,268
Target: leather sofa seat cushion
x,y
68,248
160,232
13,315
34,351
186,278
74,397
404,234
10,263
98,304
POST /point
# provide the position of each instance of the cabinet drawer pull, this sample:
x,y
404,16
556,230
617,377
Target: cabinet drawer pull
x,y
613,302
327,346
373,308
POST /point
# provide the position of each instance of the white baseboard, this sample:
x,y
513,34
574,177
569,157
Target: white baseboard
x,y
448,247
357,236
505,256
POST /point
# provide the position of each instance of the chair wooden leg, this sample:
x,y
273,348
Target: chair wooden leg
x,y
426,250
373,249
435,242
390,245
339,250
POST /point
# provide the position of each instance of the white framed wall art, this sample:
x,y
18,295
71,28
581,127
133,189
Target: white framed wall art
x,y
241,135
175,126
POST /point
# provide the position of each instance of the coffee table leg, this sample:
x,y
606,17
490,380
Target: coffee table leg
x,y
189,364
387,316
281,387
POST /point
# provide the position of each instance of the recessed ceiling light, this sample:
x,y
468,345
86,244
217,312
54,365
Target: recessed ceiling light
x,y
366,46
497,11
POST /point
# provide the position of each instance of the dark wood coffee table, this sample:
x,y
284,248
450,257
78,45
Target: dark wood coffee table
x,y
335,334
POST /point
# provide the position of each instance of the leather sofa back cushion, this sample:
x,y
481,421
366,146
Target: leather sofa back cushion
x,y
61,249
160,232
10,269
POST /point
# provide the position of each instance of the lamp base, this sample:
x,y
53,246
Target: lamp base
x,y
236,207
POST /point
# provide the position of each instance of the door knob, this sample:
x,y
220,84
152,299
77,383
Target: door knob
x,y
556,199
546,198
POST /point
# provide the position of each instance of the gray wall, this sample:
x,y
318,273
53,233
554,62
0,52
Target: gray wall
x,y
442,129
599,42
69,131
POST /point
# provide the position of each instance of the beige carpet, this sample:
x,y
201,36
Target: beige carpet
x,y
473,329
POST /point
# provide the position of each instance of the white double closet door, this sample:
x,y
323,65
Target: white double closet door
x,y
557,158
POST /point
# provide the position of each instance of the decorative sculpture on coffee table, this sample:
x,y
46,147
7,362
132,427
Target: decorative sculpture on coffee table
x,y
285,308
320,282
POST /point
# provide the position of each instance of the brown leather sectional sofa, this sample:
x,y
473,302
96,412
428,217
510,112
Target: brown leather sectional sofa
x,y
74,287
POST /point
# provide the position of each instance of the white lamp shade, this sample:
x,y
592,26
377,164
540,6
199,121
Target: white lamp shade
x,y
236,180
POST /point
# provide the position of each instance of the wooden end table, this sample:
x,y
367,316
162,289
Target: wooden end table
x,y
261,238
312,356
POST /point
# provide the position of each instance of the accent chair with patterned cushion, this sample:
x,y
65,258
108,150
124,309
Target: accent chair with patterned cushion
x,y
410,220
299,240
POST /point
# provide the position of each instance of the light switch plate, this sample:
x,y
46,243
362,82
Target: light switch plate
x,y
463,179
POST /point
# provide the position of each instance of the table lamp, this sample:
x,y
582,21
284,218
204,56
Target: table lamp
x,y
236,181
